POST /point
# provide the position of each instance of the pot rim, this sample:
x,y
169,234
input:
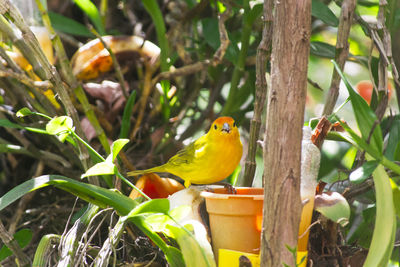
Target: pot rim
x,y
217,195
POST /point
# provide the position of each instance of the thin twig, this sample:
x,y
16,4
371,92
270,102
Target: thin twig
x,y
263,56
315,84
342,51
26,80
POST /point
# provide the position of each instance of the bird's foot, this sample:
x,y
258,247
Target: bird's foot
x,y
230,189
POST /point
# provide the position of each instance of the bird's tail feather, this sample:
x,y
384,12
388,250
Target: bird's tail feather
x,y
151,170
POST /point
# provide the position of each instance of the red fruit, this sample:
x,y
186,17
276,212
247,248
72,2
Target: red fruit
x,y
364,88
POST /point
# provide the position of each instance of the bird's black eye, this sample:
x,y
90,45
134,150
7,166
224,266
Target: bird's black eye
x,y
215,127
234,124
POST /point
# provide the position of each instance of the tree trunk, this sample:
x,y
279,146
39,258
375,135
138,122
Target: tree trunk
x,y
282,142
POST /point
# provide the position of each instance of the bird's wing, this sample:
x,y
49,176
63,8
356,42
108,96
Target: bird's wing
x,y
188,154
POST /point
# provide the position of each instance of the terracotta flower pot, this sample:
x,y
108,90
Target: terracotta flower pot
x,y
235,219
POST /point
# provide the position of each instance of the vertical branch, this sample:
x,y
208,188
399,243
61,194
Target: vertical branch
x,y
342,51
383,61
283,135
262,57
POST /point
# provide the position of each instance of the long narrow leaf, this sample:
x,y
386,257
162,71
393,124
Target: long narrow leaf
x,y
126,117
69,26
93,194
154,10
365,117
93,13
385,223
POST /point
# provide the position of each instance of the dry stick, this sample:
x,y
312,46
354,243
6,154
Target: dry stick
x,y
315,84
186,70
25,79
66,71
263,56
42,100
9,61
147,86
114,237
223,35
341,53
383,62
21,258
30,48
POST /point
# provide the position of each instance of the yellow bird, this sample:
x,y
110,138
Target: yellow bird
x,y
209,159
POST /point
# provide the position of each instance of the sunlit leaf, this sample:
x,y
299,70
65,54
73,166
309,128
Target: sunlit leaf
x,y
362,173
396,196
23,112
385,223
92,12
196,249
102,168
60,126
93,194
117,146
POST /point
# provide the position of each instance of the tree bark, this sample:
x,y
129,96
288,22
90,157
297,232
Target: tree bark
x,y
282,142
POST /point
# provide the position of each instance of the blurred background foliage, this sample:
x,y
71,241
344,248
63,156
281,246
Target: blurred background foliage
x,y
171,111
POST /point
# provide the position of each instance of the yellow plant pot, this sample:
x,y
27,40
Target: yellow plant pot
x,y
235,219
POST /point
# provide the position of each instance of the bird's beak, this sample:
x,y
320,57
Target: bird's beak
x,y
226,128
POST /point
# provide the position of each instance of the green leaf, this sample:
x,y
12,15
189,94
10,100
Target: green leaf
x,y
93,13
365,117
69,26
8,124
60,126
210,32
362,173
160,205
363,234
23,112
172,254
157,17
321,49
323,12
93,194
23,237
367,3
196,249
126,117
396,196
102,168
116,147
392,147
385,222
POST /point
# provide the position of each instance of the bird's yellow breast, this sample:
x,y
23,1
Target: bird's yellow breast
x,y
215,158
